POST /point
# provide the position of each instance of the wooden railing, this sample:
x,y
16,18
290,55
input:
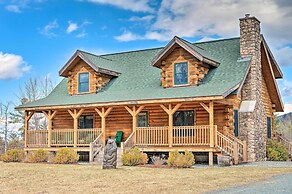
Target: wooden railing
x,y
86,136
191,135
129,143
37,138
62,137
95,147
154,136
286,142
232,146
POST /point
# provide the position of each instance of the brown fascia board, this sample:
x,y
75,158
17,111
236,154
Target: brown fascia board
x,y
277,71
193,52
88,62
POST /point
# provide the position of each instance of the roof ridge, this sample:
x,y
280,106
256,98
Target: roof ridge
x,y
147,49
217,40
100,56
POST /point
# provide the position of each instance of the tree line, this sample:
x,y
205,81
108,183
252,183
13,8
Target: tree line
x,y
12,121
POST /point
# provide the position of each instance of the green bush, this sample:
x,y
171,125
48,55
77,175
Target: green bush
x,y
66,156
276,151
133,157
181,160
36,156
13,155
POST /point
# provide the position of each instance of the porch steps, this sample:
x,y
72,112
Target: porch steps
x,y
98,159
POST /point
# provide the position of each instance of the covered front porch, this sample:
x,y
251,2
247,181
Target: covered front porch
x,y
198,126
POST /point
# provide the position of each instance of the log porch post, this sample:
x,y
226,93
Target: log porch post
x,y
134,114
210,110
27,116
170,111
50,116
103,114
75,114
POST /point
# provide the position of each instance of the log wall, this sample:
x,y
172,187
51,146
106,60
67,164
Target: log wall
x,y
196,71
96,80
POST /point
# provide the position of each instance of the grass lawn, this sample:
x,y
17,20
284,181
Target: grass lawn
x,y
52,178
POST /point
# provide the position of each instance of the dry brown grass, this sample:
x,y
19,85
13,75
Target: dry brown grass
x,y
52,178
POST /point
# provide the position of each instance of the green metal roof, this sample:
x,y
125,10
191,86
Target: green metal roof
x,y
141,81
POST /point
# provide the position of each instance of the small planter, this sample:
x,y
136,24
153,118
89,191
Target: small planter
x,y
223,160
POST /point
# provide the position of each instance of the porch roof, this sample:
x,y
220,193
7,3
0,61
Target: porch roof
x,y
141,81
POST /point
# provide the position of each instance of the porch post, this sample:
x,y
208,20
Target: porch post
x,y
50,116
170,111
27,117
211,123
134,114
103,114
75,114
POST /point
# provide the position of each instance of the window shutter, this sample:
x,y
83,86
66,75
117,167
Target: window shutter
x,y
269,127
235,117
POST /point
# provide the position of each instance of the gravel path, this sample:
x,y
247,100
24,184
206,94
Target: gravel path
x,y
276,184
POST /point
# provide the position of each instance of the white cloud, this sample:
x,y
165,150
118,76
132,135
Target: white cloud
x,y
128,36
81,34
12,66
284,56
132,5
13,8
71,27
146,18
48,30
287,88
18,6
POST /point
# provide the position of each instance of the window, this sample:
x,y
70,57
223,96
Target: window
x,y
180,73
235,117
269,127
143,119
85,122
183,118
83,82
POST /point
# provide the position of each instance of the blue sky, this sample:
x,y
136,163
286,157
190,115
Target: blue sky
x,y
38,36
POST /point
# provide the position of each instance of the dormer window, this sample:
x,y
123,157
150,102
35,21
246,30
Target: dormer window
x,y
180,73
83,82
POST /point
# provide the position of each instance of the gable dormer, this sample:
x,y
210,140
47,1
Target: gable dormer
x,y
182,63
84,73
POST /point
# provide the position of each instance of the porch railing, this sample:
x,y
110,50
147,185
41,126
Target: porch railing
x,y
37,138
154,136
62,137
86,136
191,135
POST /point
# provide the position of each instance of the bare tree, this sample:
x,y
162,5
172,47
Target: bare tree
x,y
35,89
5,118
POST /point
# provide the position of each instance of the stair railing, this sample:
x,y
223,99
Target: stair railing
x,y
95,147
129,143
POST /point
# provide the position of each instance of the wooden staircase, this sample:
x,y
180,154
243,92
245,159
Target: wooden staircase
x,y
286,142
97,152
231,146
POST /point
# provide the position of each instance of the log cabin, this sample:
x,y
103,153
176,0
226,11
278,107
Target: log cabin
x,y
209,97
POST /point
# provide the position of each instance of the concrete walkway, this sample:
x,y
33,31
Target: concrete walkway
x,y
276,184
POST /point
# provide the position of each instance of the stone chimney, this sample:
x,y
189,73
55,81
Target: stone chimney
x,y
254,131
250,35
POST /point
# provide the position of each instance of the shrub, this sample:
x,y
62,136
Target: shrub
x,y
181,160
13,155
276,151
133,157
66,156
39,155
158,160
